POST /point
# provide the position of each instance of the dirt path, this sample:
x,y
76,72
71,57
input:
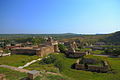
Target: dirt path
x,y
29,63
14,68
54,73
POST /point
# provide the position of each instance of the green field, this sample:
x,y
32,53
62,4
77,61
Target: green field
x,y
17,60
46,67
15,75
86,75
80,74
11,74
98,52
67,71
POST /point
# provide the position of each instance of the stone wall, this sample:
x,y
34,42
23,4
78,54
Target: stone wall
x,y
2,77
45,51
102,68
24,51
75,54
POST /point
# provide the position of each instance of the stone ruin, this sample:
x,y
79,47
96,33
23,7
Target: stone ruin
x,y
50,46
2,77
88,65
33,74
72,52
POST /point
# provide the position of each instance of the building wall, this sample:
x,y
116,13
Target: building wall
x,y
40,51
24,51
45,51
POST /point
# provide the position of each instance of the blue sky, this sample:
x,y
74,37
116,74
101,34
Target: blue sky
x,y
59,16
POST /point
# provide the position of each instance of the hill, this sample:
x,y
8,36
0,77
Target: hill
x,y
113,38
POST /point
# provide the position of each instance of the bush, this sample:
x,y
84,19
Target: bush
x,y
54,59
62,48
114,52
48,60
59,63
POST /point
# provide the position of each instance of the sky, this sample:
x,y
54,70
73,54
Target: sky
x,y
59,16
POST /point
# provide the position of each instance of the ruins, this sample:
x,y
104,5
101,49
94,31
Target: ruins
x,y
2,77
92,65
50,46
33,74
72,51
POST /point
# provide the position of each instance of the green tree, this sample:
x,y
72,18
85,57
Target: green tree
x,y
62,48
37,41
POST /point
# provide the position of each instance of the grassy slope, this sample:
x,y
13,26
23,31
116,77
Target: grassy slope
x,y
15,75
47,67
71,73
80,74
84,75
16,60
11,74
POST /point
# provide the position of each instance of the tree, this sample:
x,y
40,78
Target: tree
x,y
62,48
37,41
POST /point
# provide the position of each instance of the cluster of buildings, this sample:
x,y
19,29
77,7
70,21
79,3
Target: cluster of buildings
x,y
50,46
72,51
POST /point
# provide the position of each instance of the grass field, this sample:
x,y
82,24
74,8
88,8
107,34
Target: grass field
x,y
17,60
86,75
98,52
80,74
15,75
11,74
46,67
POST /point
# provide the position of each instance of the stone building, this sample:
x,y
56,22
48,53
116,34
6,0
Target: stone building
x,y
50,46
72,52
104,67
2,77
33,74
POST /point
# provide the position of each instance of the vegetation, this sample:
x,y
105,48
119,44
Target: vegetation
x,y
92,60
16,60
62,48
51,77
15,75
98,52
6,51
37,41
86,75
114,51
114,38
48,60
59,63
54,59
11,74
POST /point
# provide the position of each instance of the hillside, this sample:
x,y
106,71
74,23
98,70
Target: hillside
x,y
57,36
114,38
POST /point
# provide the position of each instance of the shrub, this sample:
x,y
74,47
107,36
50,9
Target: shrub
x,y
59,63
56,60
62,48
48,60
115,52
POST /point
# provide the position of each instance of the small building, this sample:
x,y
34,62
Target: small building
x,y
2,77
33,74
